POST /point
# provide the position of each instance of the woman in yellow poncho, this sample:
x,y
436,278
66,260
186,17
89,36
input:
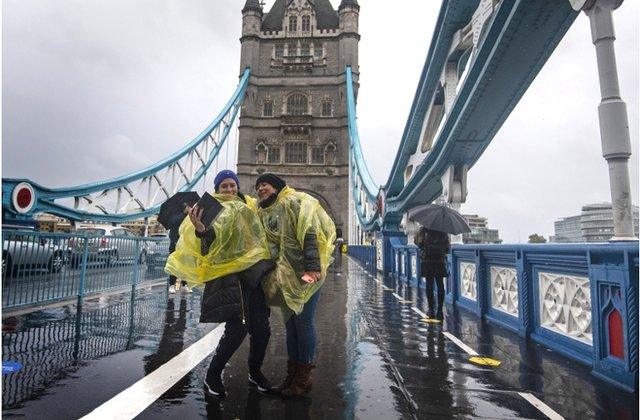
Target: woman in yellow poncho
x,y
231,258
301,237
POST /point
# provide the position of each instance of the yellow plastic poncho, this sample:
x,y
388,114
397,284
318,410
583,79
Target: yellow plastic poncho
x,y
240,242
286,222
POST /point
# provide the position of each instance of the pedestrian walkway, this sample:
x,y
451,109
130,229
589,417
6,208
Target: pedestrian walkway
x,y
145,355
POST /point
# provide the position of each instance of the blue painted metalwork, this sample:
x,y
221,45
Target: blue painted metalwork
x,y
498,75
41,267
358,167
612,271
45,197
365,255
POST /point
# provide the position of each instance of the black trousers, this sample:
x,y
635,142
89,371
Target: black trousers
x,y
439,281
256,324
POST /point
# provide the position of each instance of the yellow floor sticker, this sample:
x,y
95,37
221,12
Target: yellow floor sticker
x,y
485,361
431,320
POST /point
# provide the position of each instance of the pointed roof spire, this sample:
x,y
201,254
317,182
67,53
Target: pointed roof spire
x,y
252,5
345,3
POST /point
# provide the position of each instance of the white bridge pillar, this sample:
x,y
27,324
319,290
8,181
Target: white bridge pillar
x,y
454,190
612,113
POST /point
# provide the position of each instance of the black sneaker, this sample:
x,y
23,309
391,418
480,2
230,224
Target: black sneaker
x,y
258,380
213,386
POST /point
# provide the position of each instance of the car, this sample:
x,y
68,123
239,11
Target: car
x,y
158,250
24,248
108,244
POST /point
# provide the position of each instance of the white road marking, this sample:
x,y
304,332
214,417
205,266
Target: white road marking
x,y
541,406
135,399
419,312
460,344
544,408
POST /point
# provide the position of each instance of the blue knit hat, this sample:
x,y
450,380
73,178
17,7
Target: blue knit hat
x,y
222,175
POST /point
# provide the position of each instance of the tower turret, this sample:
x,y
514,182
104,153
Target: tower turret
x,y
251,26
348,12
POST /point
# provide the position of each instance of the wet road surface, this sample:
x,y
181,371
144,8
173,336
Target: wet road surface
x,y
376,359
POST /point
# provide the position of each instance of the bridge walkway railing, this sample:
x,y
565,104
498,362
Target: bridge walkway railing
x,y
41,267
580,300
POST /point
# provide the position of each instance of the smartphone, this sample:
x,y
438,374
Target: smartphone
x,y
211,208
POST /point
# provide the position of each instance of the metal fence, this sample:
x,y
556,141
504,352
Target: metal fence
x,y
578,299
40,267
51,350
365,255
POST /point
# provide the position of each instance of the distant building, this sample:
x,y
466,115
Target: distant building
x,y
49,223
594,224
567,230
480,232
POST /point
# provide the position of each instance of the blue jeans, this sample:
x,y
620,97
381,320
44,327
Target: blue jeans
x,y
301,333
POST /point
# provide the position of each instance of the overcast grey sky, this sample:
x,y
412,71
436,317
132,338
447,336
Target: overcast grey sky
x,y
95,89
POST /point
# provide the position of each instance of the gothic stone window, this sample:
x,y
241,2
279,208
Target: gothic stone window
x,y
304,49
261,153
295,152
306,23
297,104
330,154
267,108
327,108
279,50
317,51
273,157
293,23
317,155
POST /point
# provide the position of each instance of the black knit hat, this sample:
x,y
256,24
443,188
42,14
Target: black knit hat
x,y
274,180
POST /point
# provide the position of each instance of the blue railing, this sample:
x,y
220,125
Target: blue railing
x,y
41,267
365,255
580,300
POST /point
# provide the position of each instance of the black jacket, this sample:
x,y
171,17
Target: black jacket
x,y
434,247
222,298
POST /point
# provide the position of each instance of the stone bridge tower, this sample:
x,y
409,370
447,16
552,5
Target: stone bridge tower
x,y
294,119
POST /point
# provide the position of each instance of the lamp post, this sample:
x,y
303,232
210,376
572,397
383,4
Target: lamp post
x,y
612,113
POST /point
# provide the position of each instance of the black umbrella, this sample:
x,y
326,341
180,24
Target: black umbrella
x,y
176,204
440,218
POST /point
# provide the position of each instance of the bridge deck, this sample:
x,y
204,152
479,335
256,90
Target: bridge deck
x,y
376,359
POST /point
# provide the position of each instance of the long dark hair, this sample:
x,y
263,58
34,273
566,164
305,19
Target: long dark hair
x,y
437,237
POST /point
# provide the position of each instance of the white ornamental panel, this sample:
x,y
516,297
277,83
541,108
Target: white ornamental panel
x,y
468,287
504,289
565,305
414,265
402,267
379,254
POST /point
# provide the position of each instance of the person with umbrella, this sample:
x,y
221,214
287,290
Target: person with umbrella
x,y
231,258
172,213
433,241
434,247
175,221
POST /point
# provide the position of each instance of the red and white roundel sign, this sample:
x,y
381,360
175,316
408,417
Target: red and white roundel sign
x,y
23,197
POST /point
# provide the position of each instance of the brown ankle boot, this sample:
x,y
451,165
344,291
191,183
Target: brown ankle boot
x,y
302,382
291,372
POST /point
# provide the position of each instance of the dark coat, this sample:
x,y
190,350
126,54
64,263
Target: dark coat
x,y
222,297
434,247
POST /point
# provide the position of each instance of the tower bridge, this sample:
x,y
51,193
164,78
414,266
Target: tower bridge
x,y
530,331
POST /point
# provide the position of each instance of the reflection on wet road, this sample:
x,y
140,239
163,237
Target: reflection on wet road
x,y
376,359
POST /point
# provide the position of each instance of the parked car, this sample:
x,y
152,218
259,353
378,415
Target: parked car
x,y
158,250
108,244
23,248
